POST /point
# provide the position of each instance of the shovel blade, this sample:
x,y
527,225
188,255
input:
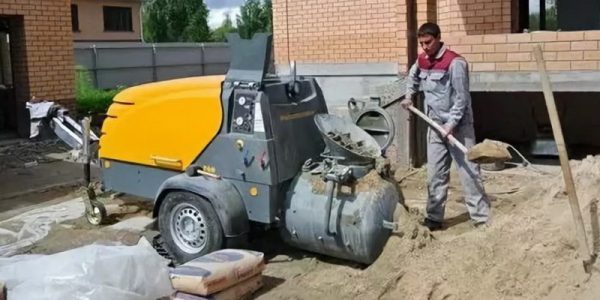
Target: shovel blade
x,y
489,151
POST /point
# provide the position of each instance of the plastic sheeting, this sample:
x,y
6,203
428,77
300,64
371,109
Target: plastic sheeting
x,y
92,272
24,230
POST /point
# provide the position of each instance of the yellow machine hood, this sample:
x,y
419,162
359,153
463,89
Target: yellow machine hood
x,y
163,124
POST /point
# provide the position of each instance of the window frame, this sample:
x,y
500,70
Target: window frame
x,y
107,9
75,18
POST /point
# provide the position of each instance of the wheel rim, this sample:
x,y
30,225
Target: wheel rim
x,y
95,216
188,227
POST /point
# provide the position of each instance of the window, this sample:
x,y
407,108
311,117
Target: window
x,y
74,17
117,18
542,15
558,15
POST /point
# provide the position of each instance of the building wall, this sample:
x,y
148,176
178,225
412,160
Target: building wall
x,y
332,31
91,21
42,47
41,50
470,17
563,51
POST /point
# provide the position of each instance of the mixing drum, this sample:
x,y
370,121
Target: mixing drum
x,y
338,206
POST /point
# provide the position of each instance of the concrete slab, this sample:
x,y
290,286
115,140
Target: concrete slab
x,y
135,224
568,81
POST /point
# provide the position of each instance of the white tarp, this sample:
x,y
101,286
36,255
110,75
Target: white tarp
x,y
92,272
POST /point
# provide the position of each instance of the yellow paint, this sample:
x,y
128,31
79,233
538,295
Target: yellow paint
x,y
253,191
164,124
106,164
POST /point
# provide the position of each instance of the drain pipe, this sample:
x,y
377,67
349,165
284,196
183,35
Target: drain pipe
x,y
411,54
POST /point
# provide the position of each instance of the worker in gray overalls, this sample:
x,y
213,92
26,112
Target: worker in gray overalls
x,y
444,78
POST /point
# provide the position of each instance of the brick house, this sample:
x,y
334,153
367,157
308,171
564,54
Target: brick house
x,y
36,58
106,20
353,45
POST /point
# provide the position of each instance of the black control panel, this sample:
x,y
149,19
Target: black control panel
x,y
243,119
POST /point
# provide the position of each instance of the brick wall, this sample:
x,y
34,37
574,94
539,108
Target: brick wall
x,y
563,51
42,48
426,11
469,17
332,31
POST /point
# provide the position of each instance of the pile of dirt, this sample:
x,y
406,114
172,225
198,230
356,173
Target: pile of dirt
x,y
528,251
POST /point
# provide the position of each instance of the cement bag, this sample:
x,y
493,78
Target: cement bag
x,y
216,271
240,291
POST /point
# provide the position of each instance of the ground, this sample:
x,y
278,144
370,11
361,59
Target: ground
x,y
528,251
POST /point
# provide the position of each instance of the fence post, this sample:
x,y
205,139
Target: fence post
x,y
95,65
203,61
154,71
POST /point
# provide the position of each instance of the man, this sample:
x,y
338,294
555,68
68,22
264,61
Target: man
x,y
444,78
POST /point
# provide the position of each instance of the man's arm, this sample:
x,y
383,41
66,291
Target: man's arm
x,y
459,75
412,81
412,85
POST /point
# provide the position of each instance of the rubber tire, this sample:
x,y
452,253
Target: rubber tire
x,y
215,238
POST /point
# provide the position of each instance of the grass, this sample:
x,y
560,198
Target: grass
x,y
89,99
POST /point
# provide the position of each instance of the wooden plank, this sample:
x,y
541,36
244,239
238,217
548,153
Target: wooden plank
x,y
584,250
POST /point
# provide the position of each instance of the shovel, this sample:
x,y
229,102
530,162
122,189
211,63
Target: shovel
x,y
483,153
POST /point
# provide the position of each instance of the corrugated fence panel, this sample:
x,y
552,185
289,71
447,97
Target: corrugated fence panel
x,y
117,64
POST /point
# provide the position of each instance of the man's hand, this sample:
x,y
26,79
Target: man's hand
x,y
447,130
406,103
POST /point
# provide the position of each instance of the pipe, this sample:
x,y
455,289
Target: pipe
x,y
330,188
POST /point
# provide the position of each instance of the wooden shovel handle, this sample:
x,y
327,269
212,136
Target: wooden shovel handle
x,y
439,128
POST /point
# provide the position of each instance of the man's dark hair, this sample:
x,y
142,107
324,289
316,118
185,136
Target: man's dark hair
x,y
429,29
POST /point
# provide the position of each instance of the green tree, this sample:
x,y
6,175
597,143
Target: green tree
x,y
176,21
220,33
255,16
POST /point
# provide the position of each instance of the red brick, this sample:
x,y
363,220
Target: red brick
x,y
558,65
511,66
527,66
494,39
591,55
584,65
495,57
557,46
518,38
544,36
483,48
507,48
570,55
592,35
519,57
585,45
482,67
570,36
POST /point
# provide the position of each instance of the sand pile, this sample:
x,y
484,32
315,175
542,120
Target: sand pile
x,y
528,252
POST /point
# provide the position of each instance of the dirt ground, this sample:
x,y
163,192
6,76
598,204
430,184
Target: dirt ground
x,y
529,251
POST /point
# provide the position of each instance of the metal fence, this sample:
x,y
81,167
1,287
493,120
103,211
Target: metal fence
x,y
114,64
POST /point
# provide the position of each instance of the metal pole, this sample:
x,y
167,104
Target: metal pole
x,y
86,150
95,65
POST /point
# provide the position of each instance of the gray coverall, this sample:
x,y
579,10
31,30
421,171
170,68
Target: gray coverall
x,y
448,102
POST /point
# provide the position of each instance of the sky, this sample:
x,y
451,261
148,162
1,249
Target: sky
x,y
218,9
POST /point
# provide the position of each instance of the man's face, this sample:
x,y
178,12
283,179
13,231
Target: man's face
x,y
430,44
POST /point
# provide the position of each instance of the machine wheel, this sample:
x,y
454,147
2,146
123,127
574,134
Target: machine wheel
x,y
96,215
189,225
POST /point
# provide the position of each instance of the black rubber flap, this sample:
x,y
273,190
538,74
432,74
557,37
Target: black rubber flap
x,y
249,57
378,123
